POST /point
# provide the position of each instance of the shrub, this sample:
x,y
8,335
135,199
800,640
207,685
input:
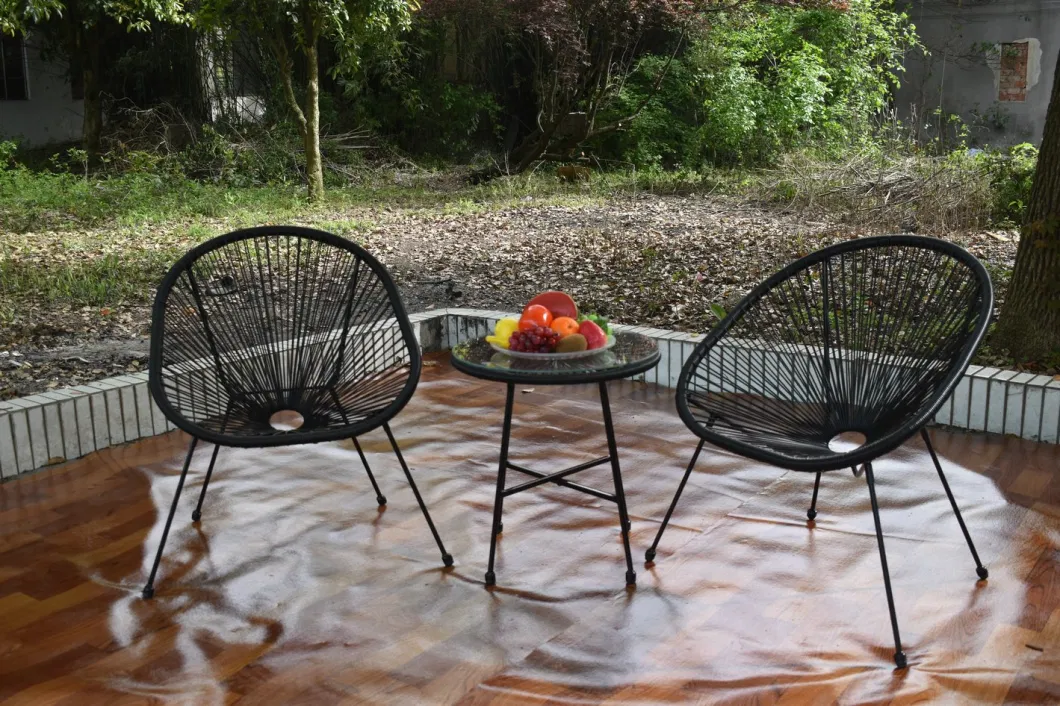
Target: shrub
x,y
8,148
1011,174
254,157
917,192
758,84
432,116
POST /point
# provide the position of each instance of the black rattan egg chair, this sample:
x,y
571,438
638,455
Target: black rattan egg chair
x,y
280,319
868,336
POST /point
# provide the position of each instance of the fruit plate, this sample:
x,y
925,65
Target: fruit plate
x,y
573,355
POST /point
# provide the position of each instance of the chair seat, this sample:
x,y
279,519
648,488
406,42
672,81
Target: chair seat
x,y
270,417
791,435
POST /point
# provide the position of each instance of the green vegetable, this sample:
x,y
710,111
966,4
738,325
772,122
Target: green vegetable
x,y
600,321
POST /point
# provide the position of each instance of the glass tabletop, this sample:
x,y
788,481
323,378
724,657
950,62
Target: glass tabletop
x,y
632,354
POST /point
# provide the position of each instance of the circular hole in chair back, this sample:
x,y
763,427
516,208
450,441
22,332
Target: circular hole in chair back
x,y
847,441
286,420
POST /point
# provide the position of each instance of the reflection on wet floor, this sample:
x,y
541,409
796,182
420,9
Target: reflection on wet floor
x,y
297,588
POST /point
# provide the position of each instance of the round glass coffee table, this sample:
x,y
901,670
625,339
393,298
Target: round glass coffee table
x,y
631,355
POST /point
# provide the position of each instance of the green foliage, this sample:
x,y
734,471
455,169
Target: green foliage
x,y
665,134
348,24
257,158
49,200
1011,174
74,161
19,15
8,148
431,117
755,85
91,281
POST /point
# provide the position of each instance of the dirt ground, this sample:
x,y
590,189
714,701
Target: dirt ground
x,y
646,260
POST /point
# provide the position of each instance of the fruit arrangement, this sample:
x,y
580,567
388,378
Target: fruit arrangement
x,y
550,323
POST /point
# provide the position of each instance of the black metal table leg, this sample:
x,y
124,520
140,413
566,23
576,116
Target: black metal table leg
x,y
502,468
616,472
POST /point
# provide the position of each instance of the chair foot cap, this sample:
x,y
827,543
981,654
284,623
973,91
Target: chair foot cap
x,y
649,556
983,573
491,578
381,499
196,516
631,578
811,514
148,593
899,660
447,559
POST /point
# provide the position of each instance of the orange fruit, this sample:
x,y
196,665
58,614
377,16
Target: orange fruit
x,y
564,326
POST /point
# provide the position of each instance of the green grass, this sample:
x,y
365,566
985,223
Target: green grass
x,y
32,201
96,282
107,240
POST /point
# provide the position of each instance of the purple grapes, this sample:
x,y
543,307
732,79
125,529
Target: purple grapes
x,y
540,339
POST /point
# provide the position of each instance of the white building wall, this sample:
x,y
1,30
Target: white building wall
x,y
957,76
51,114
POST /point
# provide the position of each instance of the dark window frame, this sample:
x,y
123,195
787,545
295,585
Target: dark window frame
x,y
10,74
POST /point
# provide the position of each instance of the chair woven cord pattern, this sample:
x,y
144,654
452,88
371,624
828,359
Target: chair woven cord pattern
x,y
280,322
859,341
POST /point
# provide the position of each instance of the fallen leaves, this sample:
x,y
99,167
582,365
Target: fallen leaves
x,y
666,261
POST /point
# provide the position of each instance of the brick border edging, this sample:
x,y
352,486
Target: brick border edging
x,y
62,425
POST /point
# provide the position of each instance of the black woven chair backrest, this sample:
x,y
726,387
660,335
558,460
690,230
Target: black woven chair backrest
x,y
280,318
868,336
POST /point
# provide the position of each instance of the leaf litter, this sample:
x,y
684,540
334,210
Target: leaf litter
x,y
674,262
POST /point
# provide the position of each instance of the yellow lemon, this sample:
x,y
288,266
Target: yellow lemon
x,y
503,331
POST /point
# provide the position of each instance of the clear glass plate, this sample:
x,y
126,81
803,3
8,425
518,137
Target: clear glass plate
x,y
572,355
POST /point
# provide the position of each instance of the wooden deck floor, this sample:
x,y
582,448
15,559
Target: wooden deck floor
x,y
296,589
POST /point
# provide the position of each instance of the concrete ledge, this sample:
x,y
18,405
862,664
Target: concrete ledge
x,y
62,425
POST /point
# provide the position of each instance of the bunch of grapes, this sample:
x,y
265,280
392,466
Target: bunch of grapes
x,y
540,339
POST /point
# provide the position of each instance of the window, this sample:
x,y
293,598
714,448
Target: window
x,y
12,69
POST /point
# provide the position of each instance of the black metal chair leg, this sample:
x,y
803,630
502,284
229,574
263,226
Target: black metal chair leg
x,y
616,473
196,514
447,558
812,512
980,570
649,556
379,497
502,468
899,656
149,588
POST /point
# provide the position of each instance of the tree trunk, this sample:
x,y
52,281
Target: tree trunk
x,y
313,167
87,47
1030,320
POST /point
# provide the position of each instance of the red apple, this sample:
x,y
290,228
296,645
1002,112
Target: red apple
x,y
594,335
